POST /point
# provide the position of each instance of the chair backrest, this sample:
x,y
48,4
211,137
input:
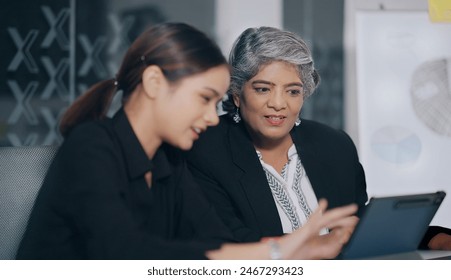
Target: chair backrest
x,y
22,170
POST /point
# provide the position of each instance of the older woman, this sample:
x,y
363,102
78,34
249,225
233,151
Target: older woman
x,y
262,167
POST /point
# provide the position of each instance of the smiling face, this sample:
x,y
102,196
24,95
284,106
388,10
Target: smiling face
x,y
270,102
189,107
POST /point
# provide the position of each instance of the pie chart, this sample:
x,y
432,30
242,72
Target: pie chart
x,y
396,145
431,95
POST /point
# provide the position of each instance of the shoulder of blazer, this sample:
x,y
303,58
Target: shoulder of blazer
x,y
212,147
212,139
316,133
224,146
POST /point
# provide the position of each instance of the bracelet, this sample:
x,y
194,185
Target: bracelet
x,y
274,250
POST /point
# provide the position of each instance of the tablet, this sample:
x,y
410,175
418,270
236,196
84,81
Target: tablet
x,y
392,225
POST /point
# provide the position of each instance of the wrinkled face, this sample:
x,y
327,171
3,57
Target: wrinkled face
x,y
271,101
190,107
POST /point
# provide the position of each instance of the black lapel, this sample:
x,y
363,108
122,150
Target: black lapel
x,y
315,168
254,182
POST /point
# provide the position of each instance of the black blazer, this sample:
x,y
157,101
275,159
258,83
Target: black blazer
x,y
95,203
226,166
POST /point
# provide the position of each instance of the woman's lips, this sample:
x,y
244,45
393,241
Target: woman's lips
x,y
196,132
275,120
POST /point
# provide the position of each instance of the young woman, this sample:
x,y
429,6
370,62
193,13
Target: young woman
x,y
119,188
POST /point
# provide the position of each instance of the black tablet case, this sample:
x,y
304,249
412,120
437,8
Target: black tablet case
x,y
392,227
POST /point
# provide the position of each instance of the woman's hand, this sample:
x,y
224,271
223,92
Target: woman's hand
x,y
441,241
306,243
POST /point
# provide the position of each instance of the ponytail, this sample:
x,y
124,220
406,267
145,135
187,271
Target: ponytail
x,y
180,50
92,105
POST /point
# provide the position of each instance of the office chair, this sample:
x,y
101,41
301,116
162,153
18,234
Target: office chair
x,y
22,170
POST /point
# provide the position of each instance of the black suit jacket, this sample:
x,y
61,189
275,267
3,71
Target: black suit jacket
x,y
95,203
226,166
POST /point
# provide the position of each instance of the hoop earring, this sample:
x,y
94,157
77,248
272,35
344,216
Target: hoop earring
x,y
297,122
236,115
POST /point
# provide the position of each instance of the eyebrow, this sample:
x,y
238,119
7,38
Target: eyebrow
x,y
213,90
272,84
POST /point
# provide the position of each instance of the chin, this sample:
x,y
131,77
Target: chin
x,y
185,146
276,136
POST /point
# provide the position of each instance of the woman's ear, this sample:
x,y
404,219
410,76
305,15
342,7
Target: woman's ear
x,y
236,99
153,81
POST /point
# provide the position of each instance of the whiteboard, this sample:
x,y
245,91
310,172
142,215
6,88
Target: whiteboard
x,y
403,74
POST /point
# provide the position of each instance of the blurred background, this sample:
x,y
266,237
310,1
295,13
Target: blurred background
x,y
52,50
385,68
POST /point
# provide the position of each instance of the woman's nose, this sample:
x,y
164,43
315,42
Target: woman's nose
x,y
277,100
211,116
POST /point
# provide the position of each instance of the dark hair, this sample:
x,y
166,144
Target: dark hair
x,y
179,49
256,47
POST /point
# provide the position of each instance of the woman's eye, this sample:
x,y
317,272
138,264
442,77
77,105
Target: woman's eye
x,y
295,91
262,89
206,98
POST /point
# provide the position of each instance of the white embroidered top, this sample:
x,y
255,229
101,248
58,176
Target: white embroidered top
x,y
292,191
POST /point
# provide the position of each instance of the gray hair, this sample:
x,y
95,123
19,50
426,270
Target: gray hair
x,y
256,47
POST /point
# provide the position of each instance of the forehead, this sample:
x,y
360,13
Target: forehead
x,y
278,69
216,79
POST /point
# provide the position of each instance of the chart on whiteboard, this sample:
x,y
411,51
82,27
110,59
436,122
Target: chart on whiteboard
x,y
431,95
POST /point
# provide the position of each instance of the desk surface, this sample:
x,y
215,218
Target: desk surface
x,y
434,254
415,255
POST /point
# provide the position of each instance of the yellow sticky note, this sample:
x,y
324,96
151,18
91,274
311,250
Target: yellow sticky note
x,y
440,10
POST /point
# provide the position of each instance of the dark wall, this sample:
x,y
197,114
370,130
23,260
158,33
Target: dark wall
x,y
320,23
51,51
